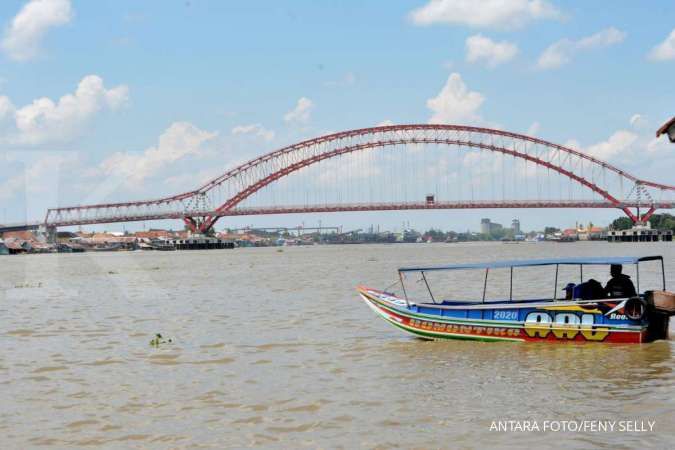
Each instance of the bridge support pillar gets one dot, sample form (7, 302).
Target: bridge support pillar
(200, 225)
(207, 224)
(637, 218)
(645, 218)
(190, 224)
(630, 215)
(48, 233)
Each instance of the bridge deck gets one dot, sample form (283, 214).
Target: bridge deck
(75, 219)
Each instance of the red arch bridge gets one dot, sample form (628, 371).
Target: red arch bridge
(398, 167)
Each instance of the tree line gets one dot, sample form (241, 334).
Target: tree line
(657, 221)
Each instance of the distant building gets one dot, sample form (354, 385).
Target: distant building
(590, 232)
(485, 226)
(515, 226)
(488, 227)
(570, 234)
(155, 234)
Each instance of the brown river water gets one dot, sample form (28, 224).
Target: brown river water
(275, 350)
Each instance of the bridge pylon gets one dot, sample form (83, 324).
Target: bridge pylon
(642, 198)
(200, 224)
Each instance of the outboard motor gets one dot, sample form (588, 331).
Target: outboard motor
(660, 306)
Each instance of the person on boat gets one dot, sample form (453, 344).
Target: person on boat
(620, 285)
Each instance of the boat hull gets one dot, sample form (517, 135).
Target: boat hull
(412, 319)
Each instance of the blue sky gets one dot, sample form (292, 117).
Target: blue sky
(196, 71)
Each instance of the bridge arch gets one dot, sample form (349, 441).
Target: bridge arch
(268, 168)
(220, 196)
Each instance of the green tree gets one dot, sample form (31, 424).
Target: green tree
(622, 223)
(657, 221)
(498, 234)
(662, 222)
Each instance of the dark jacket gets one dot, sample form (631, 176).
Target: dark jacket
(620, 286)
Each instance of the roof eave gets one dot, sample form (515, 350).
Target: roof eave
(664, 127)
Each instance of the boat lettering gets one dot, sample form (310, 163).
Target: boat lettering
(505, 314)
(618, 316)
(564, 325)
(567, 325)
(463, 329)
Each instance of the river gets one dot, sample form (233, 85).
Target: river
(272, 348)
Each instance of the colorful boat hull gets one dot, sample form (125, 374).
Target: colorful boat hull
(517, 322)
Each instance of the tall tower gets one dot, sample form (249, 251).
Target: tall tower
(515, 225)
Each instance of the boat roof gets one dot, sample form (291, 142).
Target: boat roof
(536, 262)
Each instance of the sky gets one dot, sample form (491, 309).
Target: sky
(127, 100)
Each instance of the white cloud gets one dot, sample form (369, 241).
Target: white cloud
(654, 144)
(561, 52)
(23, 36)
(385, 123)
(188, 180)
(638, 122)
(665, 51)
(636, 151)
(556, 55)
(43, 120)
(482, 168)
(533, 129)
(627, 146)
(301, 112)
(352, 166)
(484, 13)
(660, 144)
(603, 38)
(254, 129)
(573, 144)
(180, 140)
(40, 175)
(11, 186)
(6, 107)
(619, 144)
(455, 103)
(483, 49)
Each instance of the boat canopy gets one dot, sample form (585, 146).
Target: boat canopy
(537, 262)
